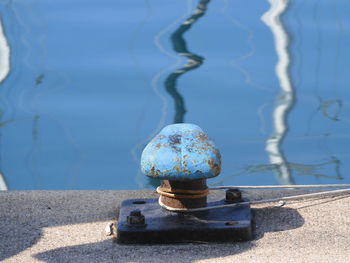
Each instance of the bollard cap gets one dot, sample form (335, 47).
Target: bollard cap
(181, 152)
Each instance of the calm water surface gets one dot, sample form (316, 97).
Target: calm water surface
(86, 84)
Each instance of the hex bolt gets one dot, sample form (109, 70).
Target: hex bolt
(233, 195)
(136, 212)
(135, 218)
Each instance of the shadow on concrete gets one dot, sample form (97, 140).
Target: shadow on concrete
(23, 214)
(108, 251)
(267, 220)
(275, 219)
(320, 202)
(17, 235)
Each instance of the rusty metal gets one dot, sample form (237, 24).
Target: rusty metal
(233, 195)
(183, 157)
(181, 152)
(163, 226)
(135, 218)
(197, 184)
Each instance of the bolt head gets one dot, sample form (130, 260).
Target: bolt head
(233, 195)
(135, 218)
(136, 212)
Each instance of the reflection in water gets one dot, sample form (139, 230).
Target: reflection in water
(3, 185)
(4, 70)
(314, 170)
(305, 170)
(251, 52)
(154, 83)
(31, 156)
(286, 98)
(34, 56)
(249, 41)
(4, 54)
(39, 79)
(31, 159)
(329, 108)
(157, 77)
(193, 60)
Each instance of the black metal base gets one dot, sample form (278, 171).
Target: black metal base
(162, 226)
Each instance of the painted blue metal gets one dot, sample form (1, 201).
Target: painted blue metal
(181, 152)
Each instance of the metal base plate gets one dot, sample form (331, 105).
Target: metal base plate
(163, 226)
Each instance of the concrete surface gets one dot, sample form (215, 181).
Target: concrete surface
(69, 226)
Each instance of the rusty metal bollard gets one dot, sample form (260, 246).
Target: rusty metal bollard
(183, 157)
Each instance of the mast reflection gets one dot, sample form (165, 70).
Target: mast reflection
(286, 98)
(193, 60)
(4, 71)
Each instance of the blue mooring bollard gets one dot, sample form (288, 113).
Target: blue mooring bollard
(182, 156)
(181, 152)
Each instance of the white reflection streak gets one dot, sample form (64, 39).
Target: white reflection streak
(3, 185)
(286, 97)
(4, 70)
(4, 55)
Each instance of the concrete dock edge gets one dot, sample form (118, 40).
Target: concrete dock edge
(69, 226)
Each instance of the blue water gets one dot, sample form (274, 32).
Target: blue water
(91, 82)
